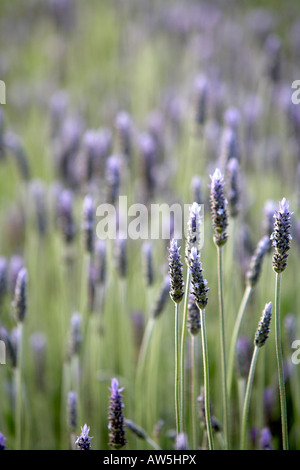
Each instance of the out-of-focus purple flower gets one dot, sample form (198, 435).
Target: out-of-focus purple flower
(20, 302)
(200, 96)
(265, 440)
(233, 177)
(88, 223)
(83, 441)
(196, 189)
(281, 236)
(13, 143)
(72, 410)
(3, 276)
(65, 215)
(147, 148)
(181, 442)
(243, 355)
(147, 251)
(273, 47)
(38, 191)
(75, 335)
(123, 125)
(100, 261)
(2, 441)
(113, 169)
(117, 437)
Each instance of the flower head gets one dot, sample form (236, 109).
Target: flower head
(199, 284)
(263, 330)
(175, 271)
(218, 205)
(117, 438)
(83, 441)
(193, 230)
(281, 236)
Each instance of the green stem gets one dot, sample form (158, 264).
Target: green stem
(177, 401)
(183, 334)
(19, 387)
(141, 363)
(285, 443)
(194, 411)
(247, 397)
(235, 334)
(223, 345)
(206, 380)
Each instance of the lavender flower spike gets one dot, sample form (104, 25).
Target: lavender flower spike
(117, 438)
(176, 274)
(20, 295)
(263, 330)
(199, 284)
(218, 205)
(83, 441)
(281, 236)
(193, 230)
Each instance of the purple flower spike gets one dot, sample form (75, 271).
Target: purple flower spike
(199, 284)
(117, 438)
(281, 236)
(176, 273)
(83, 441)
(218, 205)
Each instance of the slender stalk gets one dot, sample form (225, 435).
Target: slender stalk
(247, 397)
(141, 364)
(183, 335)
(194, 412)
(19, 387)
(177, 357)
(223, 345)
(206, 380)
(235, 334)
(285, 442)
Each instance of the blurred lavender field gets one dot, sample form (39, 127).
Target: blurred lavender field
(144, 99)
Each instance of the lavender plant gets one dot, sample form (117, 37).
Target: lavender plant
(281, 239)
(219, 217)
